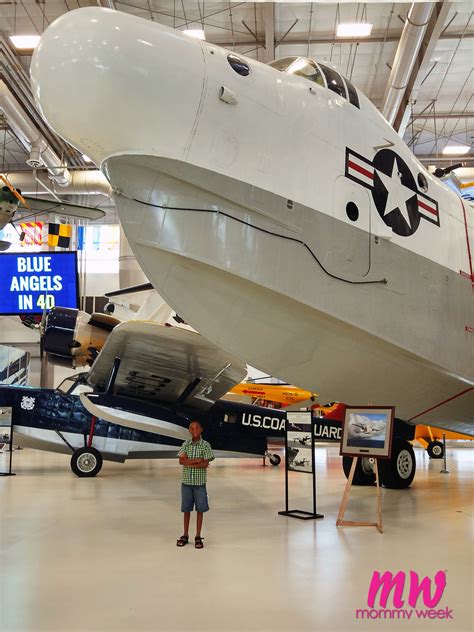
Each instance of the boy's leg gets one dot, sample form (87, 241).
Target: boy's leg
(187, 517)
(199, 517)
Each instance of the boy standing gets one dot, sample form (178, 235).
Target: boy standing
(195, 456)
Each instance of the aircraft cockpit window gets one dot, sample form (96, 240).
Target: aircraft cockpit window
(352, 92)
(334, 81)
(307, 69)
(301, 67)
(240, 66)
(74, 386)
(282, 64)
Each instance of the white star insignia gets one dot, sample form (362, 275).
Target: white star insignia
(398, 193)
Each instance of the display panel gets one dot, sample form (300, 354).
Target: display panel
(299, 442)
(368, 431)
(33, 282)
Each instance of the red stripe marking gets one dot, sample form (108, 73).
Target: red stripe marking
(91, 432)
(427, 208)
(360, 169)
(467, 240)
(442, 403)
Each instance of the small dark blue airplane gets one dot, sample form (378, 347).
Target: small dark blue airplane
(136, 401)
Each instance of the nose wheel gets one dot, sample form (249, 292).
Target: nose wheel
(86, 462)
(274, 459)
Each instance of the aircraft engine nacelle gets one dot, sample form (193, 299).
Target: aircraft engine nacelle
(74, 338)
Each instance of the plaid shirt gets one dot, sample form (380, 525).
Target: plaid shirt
(196, 450)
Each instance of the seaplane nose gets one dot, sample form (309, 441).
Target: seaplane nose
(111, 83)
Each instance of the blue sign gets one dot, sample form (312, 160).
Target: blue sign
(33, 282)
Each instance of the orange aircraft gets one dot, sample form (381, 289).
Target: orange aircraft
(271, 394)
(282, 395)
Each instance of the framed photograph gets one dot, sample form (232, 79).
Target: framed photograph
(299, 442)
(367, 431)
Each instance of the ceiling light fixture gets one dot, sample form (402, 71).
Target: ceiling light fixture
(196, 33)
(355, 29)
(456, 150)
(24, 42)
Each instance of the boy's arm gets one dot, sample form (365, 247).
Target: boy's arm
(208, 457)
(183, 460)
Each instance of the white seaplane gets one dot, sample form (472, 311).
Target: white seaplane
(275, 210)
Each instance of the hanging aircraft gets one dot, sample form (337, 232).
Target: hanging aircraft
(13, 206)
(274, 208)
(276, 395)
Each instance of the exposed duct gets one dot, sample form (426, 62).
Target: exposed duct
(82, 182)
(41, 153)
(405, 57)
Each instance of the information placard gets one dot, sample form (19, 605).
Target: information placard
(299, 442)
(33, 282)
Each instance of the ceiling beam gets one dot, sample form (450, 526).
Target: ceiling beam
(269, 22)
(422, 64)
(433, 159)
(442, 116)
(318, 38)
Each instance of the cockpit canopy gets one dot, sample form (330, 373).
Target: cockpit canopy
(320, 74)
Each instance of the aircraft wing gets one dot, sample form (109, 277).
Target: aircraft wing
(164, 365)
(37, 206)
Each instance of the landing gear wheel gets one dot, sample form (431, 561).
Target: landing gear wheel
(86, 462)
(274, 459)
(399, 471)
(364, 473)
(435, 449)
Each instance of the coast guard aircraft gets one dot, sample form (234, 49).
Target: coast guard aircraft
(274, 208)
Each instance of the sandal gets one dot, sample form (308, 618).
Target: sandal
(183, 540)
(198, 542)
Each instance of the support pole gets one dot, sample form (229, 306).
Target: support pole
(445, 467)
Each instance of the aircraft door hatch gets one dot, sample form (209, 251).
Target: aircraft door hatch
(350, 234)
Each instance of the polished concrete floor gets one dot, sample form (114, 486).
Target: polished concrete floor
(99, 554)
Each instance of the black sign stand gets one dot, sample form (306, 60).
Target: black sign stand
(10, 473)
(300, 513)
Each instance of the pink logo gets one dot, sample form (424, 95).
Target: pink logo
(405, 593)
(388, 583)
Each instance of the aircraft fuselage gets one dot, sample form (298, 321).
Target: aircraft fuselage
(287, 224)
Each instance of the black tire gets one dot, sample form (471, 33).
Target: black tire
(86, 462)
(274, 459)
(399, 471)
(364, 473)
(435, 449)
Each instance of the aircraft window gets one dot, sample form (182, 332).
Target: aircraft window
(307, 69)
(283, 63)
(334, 81)
(353, 96)
(422, 182)
(240, 66)
(230, 418)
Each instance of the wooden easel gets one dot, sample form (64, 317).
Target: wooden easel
(340, 522)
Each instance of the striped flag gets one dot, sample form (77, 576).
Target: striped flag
(32, 233)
